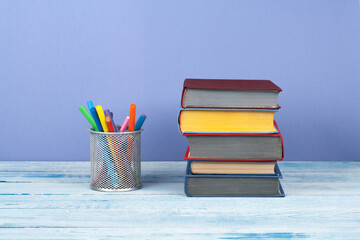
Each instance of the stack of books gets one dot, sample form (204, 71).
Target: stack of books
(234, 142)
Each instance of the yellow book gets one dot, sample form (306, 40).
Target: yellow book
(226, 121)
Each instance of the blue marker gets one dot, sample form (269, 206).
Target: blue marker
(96, 119)
(90, 105)
(140, 122)
(95, 116)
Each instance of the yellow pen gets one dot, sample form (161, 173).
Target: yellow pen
(101, 115)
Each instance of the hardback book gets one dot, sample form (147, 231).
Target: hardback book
(242, 185)
(235, 147)
(232, 167)
(194, 120)
(226, 93)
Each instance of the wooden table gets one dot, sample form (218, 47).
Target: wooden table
(53, 200)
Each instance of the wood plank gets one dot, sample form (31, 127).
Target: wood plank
(155, 176)
(166, 188)
(174, 171)
(118, 201)
(55, 177)
(171, 233)
(204, 217)
(16, 166)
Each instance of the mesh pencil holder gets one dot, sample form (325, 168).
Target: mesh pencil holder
(115, 160)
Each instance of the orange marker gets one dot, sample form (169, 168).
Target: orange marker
(132, 117)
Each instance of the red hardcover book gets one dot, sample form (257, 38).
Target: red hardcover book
(229, 93)
(235, 147)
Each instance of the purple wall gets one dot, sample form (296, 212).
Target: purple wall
(56, 55)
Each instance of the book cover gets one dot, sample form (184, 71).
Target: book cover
(239, 84)
(240, 185)
(193, 120)
(225, 93)
(232, 167)
(235, 147)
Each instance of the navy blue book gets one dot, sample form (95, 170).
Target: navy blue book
(233, 185)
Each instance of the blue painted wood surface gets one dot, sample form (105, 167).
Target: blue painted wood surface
(52, 200)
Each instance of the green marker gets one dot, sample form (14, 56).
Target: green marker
(88, 117)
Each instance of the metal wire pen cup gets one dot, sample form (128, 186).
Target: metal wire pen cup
(115, 159)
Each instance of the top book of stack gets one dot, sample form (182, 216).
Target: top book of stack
(219, 93)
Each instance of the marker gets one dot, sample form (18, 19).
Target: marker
(94, 115)
(140, 122)
(110, 114)
(96, 119)
(108, 123)
(101, 115)
(90, 105)
(88, 117)
(125, 124)
(132, 117)
(110, 140)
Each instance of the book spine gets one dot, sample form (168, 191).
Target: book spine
(182, 98)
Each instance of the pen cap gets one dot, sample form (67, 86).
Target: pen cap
(90, 105)
(140, 122)
(125, 125)
(88, 117)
